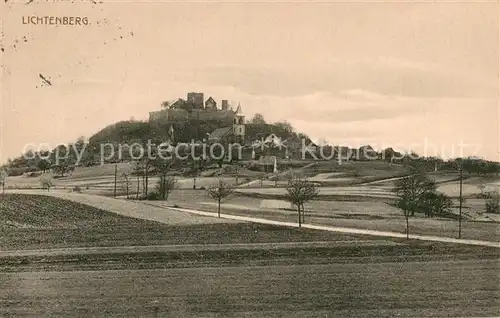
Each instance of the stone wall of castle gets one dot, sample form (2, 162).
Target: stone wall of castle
(177, 115)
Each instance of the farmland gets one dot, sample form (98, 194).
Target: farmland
(371, 215)
(405, 279)
(353, 194)
(194, 266)
(35, 221)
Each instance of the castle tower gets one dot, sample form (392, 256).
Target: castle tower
(239, 125)
(196, 100)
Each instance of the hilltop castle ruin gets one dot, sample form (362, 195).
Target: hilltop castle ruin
(194, 107)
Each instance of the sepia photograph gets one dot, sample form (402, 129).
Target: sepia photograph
(213, 158)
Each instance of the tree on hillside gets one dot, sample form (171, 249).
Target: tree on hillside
(300, 191)
(90, 155)
(219, 191)
(78, 146)
(63, 168)
(477, 166)
(410, 192)
(44, 165)
(387, 155)
(285, 126)
(302, 136)
(258, 119)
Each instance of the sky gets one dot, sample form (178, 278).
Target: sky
(408, 75)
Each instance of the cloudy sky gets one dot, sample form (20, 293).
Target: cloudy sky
(389, 74)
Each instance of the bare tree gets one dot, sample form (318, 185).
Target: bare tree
(138, 170)
(195, 172)
(219, 191)
(276, 176)
(261, 177)
(300, 191)
(411, 190)
(163, 166)
(165, 186)
(237, 171)
(493, 203)
(481, 188)
(126, 184)
(46, 182)
(142, 167)
(197, 167)
(147, 163)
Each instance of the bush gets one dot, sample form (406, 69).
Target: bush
(14, 172)
(153, 196)
(489, 195)
(253, 166)
(493, 204)
(33, 174)
(32, 169)
(46, 183)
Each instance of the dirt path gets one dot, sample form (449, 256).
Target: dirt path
(170, 215)
(347, 230)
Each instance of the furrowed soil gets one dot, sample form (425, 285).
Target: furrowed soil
(413, 280)
(36, 222)
(162, 274)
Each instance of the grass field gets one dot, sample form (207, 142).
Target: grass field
(37, 221)
(363, 214)
(351, 276)
(414, 279)
(407, 289)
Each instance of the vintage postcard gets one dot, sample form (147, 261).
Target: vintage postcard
(174, 158)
